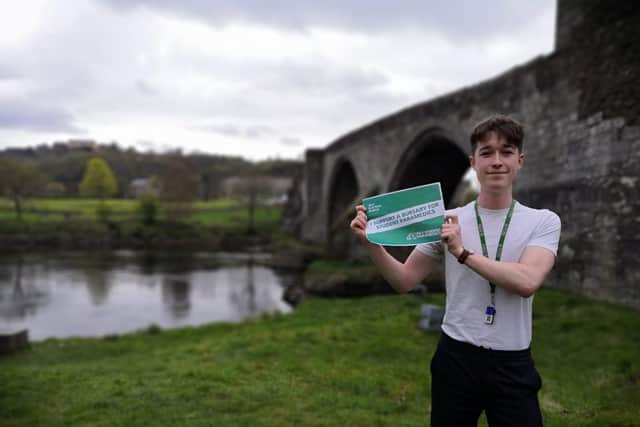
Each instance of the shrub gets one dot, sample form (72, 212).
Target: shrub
(103, 211)
(147, 209)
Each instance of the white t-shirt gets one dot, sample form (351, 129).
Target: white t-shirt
(468, 293)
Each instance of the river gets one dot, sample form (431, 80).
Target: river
(66, 294)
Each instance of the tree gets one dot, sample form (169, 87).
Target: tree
(253, 187)
(147, 208)
(213, 171)
(98, 179)
(18, 180)
(67, 168)
(178, 187)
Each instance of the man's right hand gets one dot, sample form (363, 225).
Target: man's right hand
(402, 277)
(359, 223)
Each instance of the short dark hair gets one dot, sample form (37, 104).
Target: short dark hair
(504, 126)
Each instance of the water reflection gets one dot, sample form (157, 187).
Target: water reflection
(17, 299)
(96, 294)
(98, 285)
(175, 295)
(244, 298)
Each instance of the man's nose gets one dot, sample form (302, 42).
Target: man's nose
(496, 160)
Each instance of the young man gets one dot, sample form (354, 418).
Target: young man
(497, 254)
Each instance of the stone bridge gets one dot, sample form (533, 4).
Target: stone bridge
(581, 108)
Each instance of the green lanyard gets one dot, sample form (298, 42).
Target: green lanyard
(483, 241)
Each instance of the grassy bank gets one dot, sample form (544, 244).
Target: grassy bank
(349, 362)
(75, 223)
(221, 213)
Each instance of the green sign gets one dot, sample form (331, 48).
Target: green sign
(405, 217)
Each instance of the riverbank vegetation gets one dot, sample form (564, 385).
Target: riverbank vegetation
(226, 212)
(82, 193)
(339, 278)
(341, 362)
(141, 223)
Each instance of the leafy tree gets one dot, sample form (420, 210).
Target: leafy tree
(147, 208)
(67, 168)
(18, 180)
(98, 179)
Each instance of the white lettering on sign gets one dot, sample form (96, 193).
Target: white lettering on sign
(404, 217)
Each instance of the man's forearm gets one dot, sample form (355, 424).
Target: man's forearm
(518, 277)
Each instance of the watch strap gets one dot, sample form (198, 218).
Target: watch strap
(463, 256)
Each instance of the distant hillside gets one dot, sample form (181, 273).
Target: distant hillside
(65, 162)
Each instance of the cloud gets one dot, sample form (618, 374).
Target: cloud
(38, 118)
(257, 132)
(266, 78)
(225, 129)
(291, 141)
(231, 130)
(6, 72)
(320, 78)
(145, 88)
(454, 19)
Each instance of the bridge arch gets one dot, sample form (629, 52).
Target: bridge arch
(343, 191)
(433, 156)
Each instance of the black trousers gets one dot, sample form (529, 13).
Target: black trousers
(466, 380)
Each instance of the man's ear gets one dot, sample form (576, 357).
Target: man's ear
(521, 159)
(472, 162)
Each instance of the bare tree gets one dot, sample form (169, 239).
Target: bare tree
(178, 187)
(19, 180)
(252, 187)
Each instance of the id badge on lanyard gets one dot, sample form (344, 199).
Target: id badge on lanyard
(490, 311)
(489, 314)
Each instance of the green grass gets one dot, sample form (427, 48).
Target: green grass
(347, 362)
(238, 217)
(327, 266)
(118, 205)
(223, 214)
(74, 206)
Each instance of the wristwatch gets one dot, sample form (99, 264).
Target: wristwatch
(463, 256)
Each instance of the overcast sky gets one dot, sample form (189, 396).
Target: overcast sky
(260, 79)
